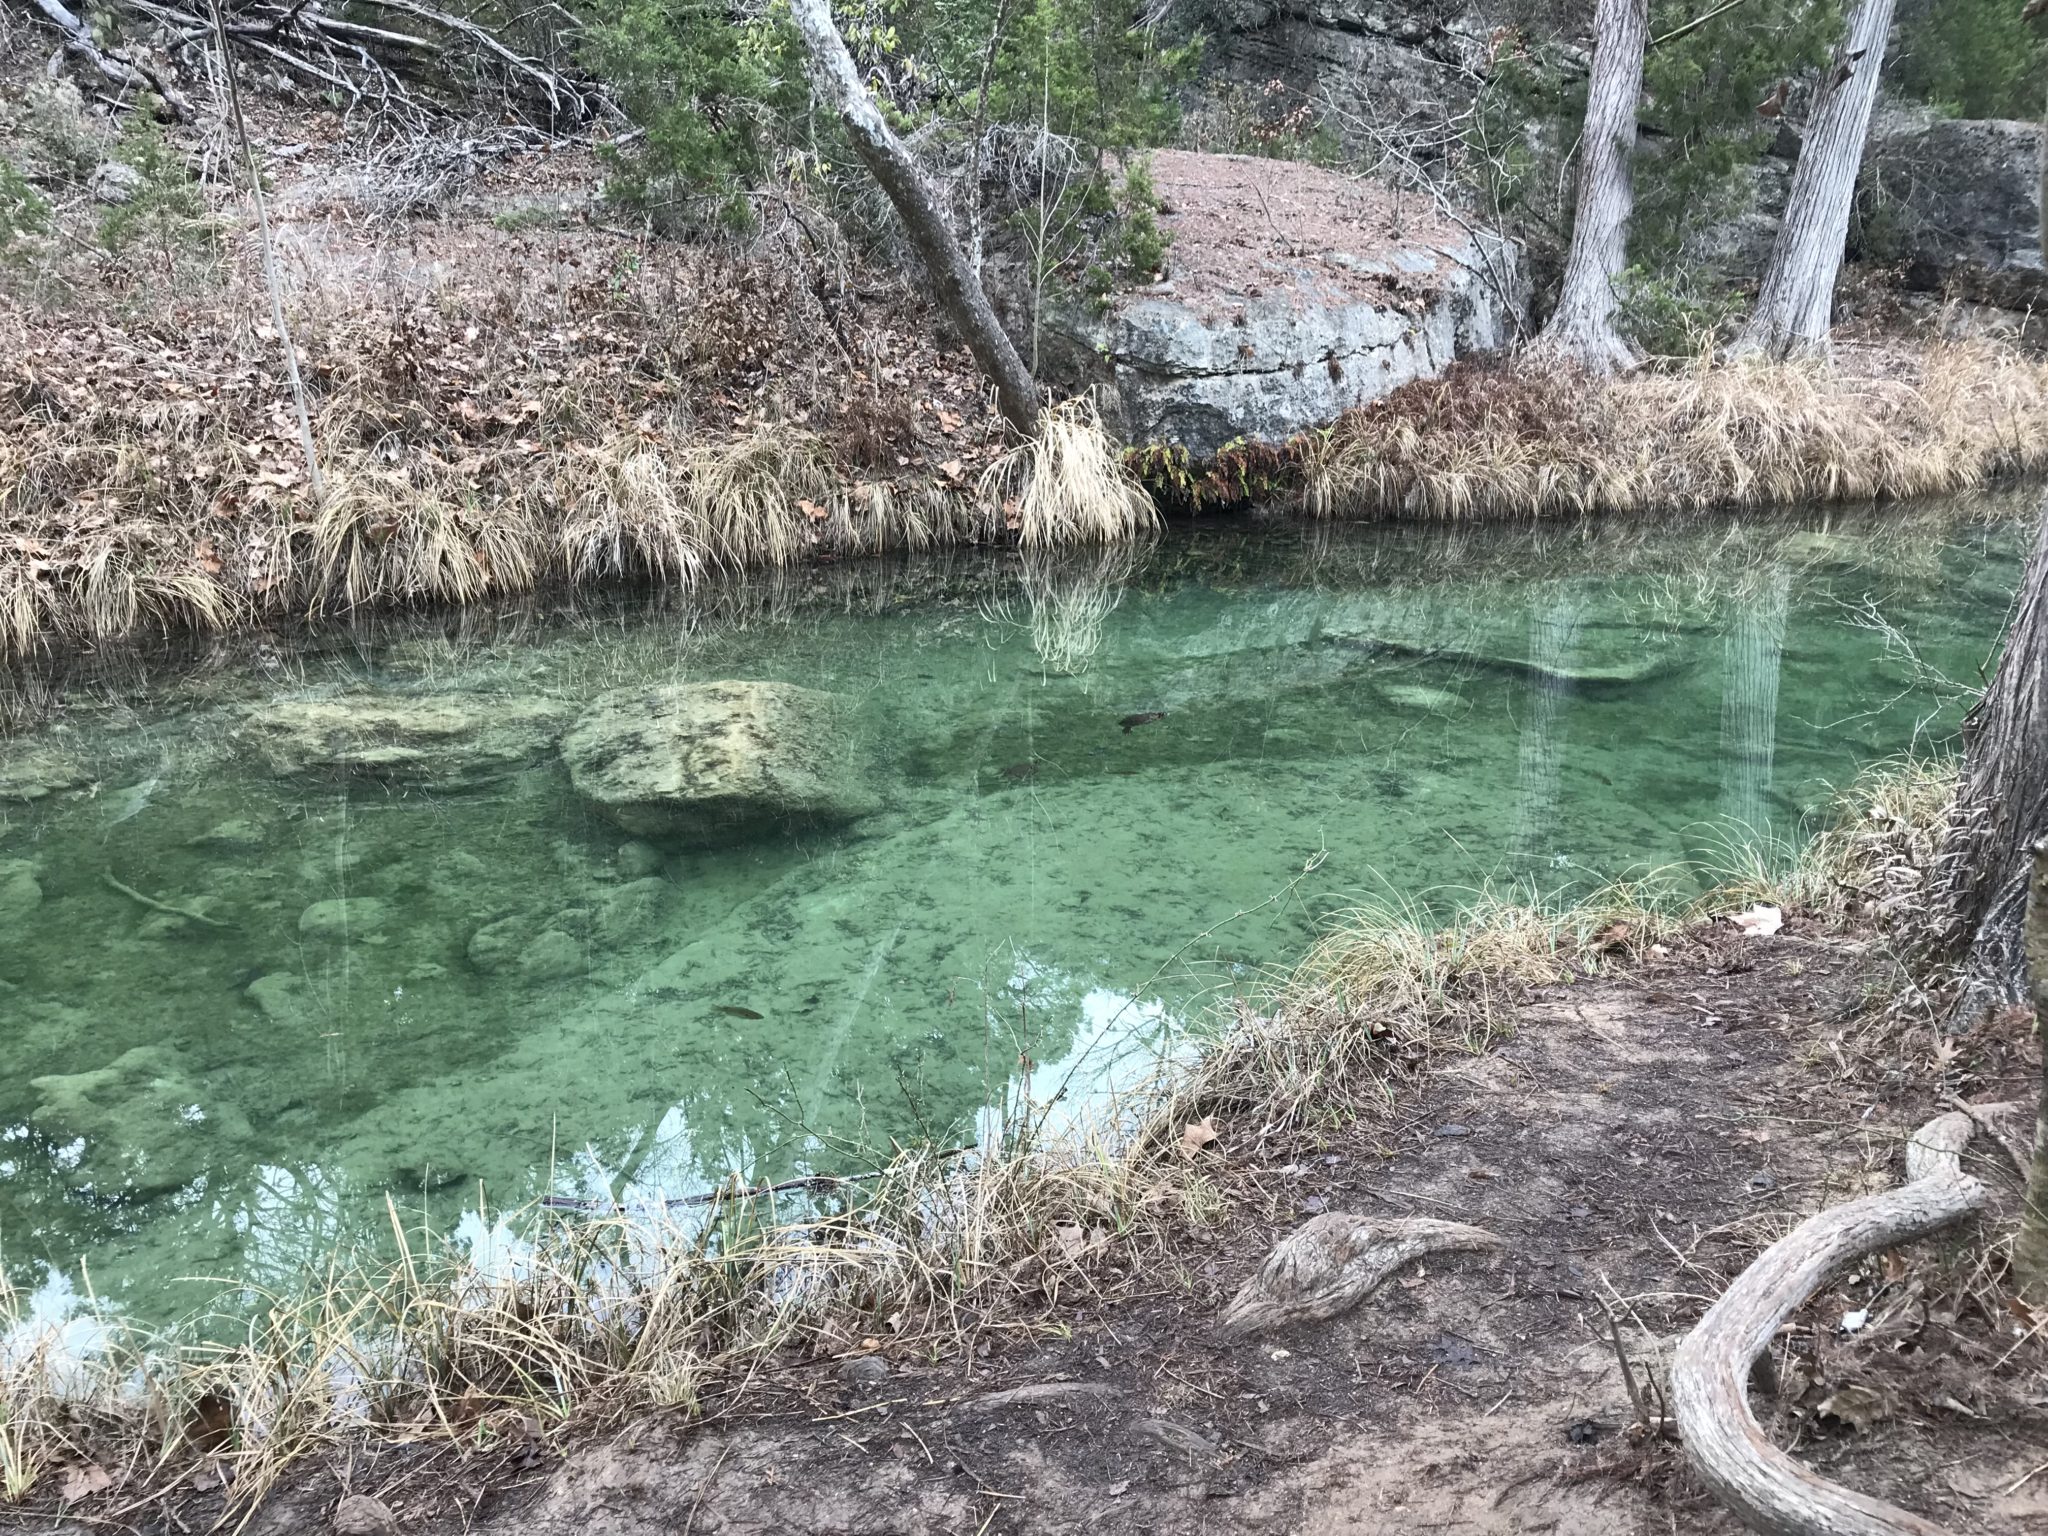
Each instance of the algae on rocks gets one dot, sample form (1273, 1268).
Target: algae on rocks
(710, 764)
(441, 740)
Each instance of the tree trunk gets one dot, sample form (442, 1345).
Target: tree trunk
(955, 284)
(1796, 305)
(2030, 1250)
(1581, 329)
(1980, 875)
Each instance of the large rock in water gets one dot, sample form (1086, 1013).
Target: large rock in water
(438, 741)
(716, 763)
(1291, 295)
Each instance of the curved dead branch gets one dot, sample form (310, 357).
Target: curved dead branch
(1765, 1487)
(1330, 1264)
(79, 43)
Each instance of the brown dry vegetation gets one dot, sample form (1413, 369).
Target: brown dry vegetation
(1890, 419)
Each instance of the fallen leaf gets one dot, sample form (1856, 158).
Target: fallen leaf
(1196, 1135)
(1760, 921)
(83, 1481)
(1858, 1407)
(1613, 936)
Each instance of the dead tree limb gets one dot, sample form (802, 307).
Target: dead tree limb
(1767, 1490)
(78, 42)
(1329, 1264)
(955, 283)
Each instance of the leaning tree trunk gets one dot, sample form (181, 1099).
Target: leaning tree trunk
(2030, 1250)
(1796, 304)
(1979, 896)
(1581, 329)
(956, 285)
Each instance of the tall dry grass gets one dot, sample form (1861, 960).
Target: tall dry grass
(1882, 422)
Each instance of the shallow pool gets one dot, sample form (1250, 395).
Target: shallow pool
(245, 998)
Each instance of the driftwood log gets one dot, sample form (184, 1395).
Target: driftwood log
(1330, 1264)
(1765, 1487)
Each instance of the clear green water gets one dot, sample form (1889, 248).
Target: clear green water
(1408, 712)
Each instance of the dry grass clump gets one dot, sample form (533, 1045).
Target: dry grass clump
(1869, 862)
(578, 1320)
(1070, 484)
(1392, 983)
(1895, 421)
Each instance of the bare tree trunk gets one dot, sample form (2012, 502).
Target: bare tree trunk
(955, 283)
(1980, 876)
(2030, 1250)
(1581, 329)
(1796, 305)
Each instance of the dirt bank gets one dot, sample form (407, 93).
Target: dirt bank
(1635, 1140)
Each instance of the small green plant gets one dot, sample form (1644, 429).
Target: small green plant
(163, 213)
(24, 212)
(1668, 315)
(1137, 245)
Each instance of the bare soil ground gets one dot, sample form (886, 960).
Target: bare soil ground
(1636, 1140)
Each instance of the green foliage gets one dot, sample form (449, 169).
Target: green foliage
(24, 213)
(1667, 314)
(1700, 98)
(1136, 244)
(709, 88)
(65, 143)
(164, 212)
(1078, 66)
(1970, 58)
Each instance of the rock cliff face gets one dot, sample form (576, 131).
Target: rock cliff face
(1957, 200)
(1292, 294)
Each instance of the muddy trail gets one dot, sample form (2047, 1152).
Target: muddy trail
(1635, 1141)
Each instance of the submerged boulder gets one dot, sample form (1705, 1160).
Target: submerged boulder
(139, 1125)
(717, 763)
(37, 770)
(20, 893)
(445, 741)
(1291, 295)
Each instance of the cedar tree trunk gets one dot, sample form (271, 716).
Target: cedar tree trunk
(1796, 305)
(955, 283)
(1581, 329)
(1981, 873)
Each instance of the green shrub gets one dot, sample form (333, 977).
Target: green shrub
(24, 212)
(163, 214)
(1970, 58)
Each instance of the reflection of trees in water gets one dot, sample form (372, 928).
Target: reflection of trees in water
(1752, 655)
(1555, 619)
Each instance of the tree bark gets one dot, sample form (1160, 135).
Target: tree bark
(1979, 894)
(2030, 1249)
(1796, 305)
(956, 285)
(130, 77)
(1581, 328)
(1767, 1489)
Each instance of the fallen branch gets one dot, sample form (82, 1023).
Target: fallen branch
(164, 906)
(78, 40)
(1767, 1490)
(1330, 1264)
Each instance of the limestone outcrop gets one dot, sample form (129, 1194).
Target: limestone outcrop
(1291, 295)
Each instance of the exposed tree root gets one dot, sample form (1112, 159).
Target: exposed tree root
(1332, 1263)
(1764, 1486)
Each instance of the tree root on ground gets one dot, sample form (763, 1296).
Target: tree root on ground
(1762, 1485)
(1330, 1264)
